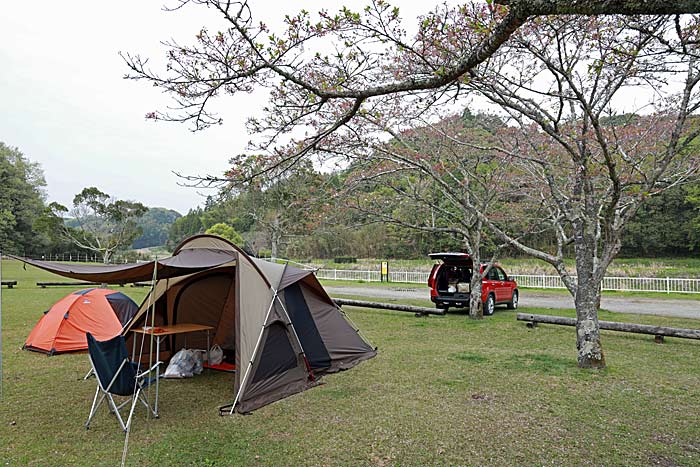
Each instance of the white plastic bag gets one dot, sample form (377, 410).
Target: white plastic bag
(198, 361)
(182, 365)
(216, 355)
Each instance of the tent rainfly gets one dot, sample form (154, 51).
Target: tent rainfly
(282, 328)
(101, 312)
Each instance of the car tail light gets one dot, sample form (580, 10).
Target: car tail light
(432, 276)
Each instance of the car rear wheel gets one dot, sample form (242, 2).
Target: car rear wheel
(513, 304)
(489, 305)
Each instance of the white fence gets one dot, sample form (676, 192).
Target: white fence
(540, 281)
(624, 284)
(349, 275)
(78, 258)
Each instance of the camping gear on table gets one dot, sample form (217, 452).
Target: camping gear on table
(284, 330)
(101, 312)
(116, 376)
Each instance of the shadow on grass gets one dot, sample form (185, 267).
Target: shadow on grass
(541, 363)
(468, 357)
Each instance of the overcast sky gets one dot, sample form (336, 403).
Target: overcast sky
(66, 105)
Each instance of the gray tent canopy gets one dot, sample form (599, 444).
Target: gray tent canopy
(177, 265)
(283, 329)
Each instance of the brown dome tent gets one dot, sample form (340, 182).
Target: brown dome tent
(283, 329)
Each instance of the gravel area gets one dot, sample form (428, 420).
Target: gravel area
(642, 305)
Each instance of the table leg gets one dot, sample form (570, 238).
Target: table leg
(208, 361)
(157, 374)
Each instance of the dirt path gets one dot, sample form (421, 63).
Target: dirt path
(641, 305)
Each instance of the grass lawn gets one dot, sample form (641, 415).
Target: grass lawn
(442, 391)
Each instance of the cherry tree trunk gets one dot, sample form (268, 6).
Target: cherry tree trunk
(590, 350)
(274, 244)
(587, 296)
(587, 302)
(476, 308)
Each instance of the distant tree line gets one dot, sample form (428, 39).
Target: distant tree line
(96, 225)
(298, 216)
(155, 225)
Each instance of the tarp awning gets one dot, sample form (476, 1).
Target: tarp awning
(185, 262)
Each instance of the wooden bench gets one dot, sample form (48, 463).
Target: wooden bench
(9, 284)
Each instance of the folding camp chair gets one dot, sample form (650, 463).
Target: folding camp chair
(116, 375)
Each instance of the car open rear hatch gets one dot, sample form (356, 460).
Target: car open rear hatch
(453, 258)
(450, 281)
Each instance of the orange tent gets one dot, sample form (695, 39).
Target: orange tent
(101, 312)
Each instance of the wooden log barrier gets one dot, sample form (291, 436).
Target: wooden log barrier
(659, 332)
(418, 310)
(43, 285)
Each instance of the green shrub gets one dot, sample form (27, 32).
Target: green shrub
(345, 259)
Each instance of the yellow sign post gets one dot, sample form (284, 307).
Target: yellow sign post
(384, 273)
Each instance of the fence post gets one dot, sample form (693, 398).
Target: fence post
(668, 284)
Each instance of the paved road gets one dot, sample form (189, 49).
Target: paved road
(641, 305)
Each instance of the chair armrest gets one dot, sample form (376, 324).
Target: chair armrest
(144, 373)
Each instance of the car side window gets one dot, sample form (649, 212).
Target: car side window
(501, 274)
(492, 275)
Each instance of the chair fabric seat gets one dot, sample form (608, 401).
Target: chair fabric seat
(116, 375)
(107, 357)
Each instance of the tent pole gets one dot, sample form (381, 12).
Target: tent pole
(303, 352)
(289, 318)
(153, 320)
(252, 357)
(150, 360)
(257, 344)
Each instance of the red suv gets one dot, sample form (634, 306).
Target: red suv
(449, 283)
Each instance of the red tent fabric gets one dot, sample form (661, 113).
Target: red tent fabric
(63, 327)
